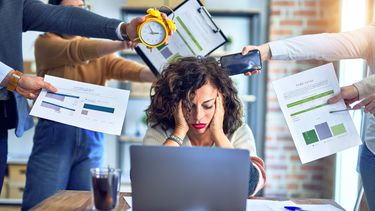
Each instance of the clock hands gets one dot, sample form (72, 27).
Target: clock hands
(152, 31)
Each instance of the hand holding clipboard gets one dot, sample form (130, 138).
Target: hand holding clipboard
(196, 35)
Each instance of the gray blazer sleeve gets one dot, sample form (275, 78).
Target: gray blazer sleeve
(38, 16)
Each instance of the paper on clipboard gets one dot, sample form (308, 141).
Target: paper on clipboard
(196, 35)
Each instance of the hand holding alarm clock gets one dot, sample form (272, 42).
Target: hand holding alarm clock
(155, 29)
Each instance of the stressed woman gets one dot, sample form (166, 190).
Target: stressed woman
(194, 103)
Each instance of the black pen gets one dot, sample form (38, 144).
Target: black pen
(346, 109)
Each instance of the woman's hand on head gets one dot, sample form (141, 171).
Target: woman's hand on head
(216, 125)
(182, 126)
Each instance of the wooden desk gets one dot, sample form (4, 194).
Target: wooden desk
(81, 200)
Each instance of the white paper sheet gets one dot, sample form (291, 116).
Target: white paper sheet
(303, 100)
(129, 200)
(270, 205)
(318, 207)
(83, 105)
(267, 205)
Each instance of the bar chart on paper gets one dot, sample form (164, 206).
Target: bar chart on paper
(83, 105)
(315, 131)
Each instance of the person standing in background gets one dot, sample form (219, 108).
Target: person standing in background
(62, 154)
(17, 16)
(359, 43)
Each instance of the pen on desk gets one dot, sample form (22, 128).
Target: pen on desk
(293, 208)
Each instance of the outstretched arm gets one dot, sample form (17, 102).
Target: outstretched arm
(75, 21)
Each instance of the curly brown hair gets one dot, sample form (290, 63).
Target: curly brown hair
(179, 81)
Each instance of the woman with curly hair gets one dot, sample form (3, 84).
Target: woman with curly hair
(194, 103)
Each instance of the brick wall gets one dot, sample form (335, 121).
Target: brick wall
(287, 177)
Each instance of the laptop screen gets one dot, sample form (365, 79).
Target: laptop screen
(189, 178)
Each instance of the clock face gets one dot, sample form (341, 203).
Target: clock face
(152, 33)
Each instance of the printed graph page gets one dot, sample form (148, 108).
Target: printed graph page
(194, 36)
(303, 100)
(83, 105)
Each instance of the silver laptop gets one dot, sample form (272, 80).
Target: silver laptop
(189, 178)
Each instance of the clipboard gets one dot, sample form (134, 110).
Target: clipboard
(196, 35)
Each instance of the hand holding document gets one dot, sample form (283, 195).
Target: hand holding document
(83, 105)
(316, 131)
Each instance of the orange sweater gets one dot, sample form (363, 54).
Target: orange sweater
(76, 58)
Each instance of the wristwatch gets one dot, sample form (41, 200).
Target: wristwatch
(13, 80)
(176, 139)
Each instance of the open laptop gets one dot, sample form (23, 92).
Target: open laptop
(189, 178)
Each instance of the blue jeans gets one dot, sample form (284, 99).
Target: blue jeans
(3, 154)
(61, 159)
(367, 171)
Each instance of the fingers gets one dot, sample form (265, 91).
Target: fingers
(41, 84)
(253, 72)
(138, 20)
(370, 107)
(49, 87)
(248, 48)
(368, 103)
(178, 115)
(334, 99)
(219, 102)
(348, 93)
(26, 93)
(164, 15)
(179, 109)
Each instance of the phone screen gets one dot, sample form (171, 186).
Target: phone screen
(238, 63)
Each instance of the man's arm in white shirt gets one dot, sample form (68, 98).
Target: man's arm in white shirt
(325, 46)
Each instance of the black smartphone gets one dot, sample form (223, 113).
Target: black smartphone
(238, 63)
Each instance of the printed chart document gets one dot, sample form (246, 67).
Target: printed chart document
(196, 34)
(303, 101)
(83, 105)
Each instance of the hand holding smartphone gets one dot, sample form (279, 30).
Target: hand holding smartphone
(238, 63)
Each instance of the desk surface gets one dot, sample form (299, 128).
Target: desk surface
(81, 200)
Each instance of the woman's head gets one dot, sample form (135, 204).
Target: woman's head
(196, 82)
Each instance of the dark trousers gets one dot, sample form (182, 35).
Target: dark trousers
(3, 155)
(8, 120)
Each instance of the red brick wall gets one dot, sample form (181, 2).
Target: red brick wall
(287, 177)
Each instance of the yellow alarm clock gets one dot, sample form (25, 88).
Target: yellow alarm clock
(155, 29)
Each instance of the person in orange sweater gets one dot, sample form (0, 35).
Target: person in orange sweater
(62, 155)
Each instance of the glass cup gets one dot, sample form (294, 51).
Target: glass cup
(105, 187)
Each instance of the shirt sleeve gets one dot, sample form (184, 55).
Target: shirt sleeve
(243, 138)
(53, 51)
(118, 31)
(67, 20)
(326, 46)
(366, 86)
(4, 70)
(123, 69)
(154, 136)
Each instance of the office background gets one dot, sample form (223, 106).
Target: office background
(273, 20)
